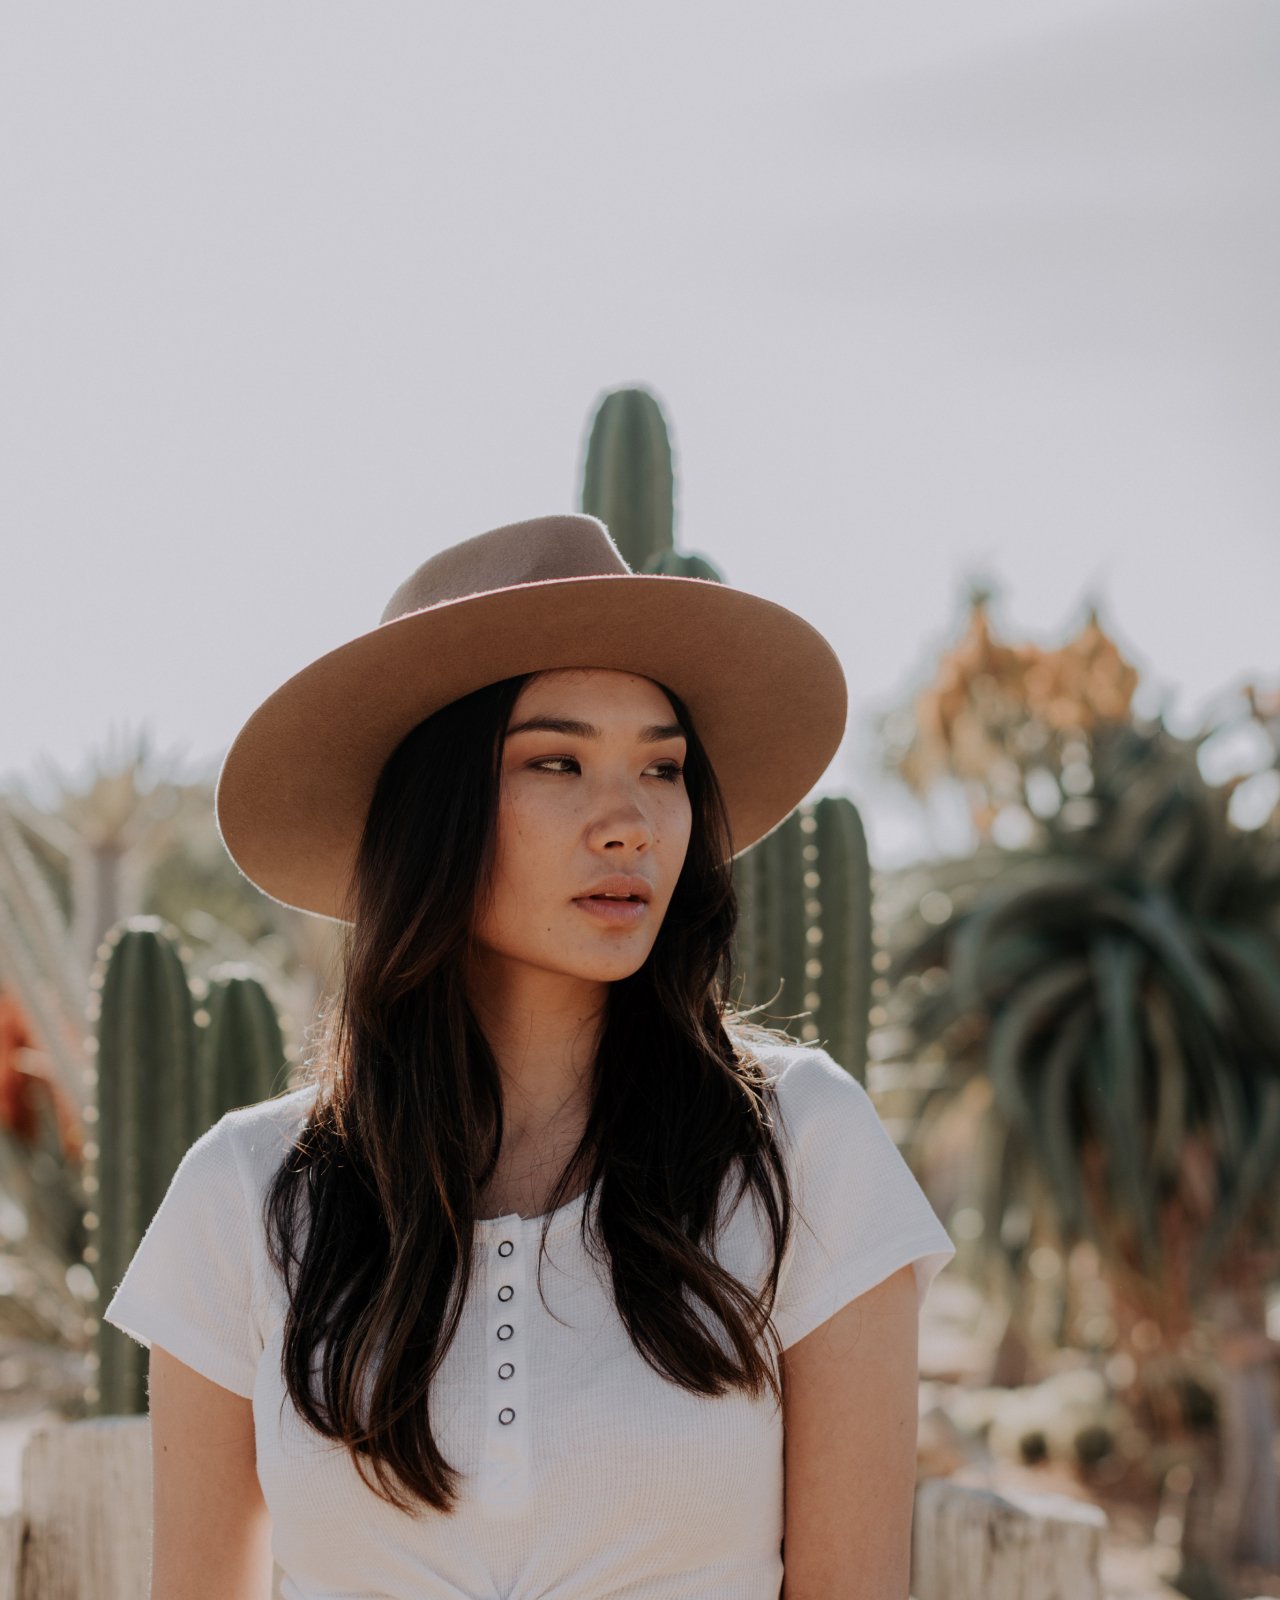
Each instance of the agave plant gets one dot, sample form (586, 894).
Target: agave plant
(1127, 987)
(1121, 991)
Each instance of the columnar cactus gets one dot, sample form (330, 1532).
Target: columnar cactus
(242, 1051)
(627, 478)
(804, 930)
(147, 1095)
(166, 1072)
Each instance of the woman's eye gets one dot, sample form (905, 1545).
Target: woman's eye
(669, 773)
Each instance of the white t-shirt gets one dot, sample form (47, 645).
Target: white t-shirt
(590, 1476)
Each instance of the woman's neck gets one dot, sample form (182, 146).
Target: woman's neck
(544, 1037)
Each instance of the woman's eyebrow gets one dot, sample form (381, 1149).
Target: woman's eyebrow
(652, 733)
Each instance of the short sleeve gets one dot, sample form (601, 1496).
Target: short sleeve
(190, 1285)
(860, 1213)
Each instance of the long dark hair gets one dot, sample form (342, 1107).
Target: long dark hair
(370, 1216)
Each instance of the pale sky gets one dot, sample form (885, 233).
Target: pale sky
(293, 296)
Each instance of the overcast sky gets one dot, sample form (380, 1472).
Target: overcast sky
(293, 296)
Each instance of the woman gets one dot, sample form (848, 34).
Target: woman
(522, 794)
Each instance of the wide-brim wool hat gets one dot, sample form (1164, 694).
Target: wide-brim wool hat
(764, 689)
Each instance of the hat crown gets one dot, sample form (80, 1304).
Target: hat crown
(538, 550)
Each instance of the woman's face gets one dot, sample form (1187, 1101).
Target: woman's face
(579, 804)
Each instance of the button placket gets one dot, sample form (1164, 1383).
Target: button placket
(507, 1364)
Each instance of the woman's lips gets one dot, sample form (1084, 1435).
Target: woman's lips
(615, 911)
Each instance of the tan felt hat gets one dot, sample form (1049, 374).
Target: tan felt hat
(764, 688)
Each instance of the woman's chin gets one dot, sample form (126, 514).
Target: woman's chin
(607, 966)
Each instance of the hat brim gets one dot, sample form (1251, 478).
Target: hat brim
(764, 688)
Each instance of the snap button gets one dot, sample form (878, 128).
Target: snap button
(505, 1292)
(505, 1370)
(506, 1415)
(505, 1331)
(505, 1248)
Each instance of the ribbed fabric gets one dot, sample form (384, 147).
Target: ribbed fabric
(589, 1476)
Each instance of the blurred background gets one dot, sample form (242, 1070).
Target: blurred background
(953, 328)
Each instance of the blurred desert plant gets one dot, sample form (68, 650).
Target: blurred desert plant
(42, 1293)
(1122, 993)
(138, 837)
(134, 838)
(1115, 980)
(1005, 722)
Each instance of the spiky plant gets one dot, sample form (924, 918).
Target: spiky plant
(1122, 992)
(172, 1057)
(627, 476)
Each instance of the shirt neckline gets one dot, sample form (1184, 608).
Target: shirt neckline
(559, 1217)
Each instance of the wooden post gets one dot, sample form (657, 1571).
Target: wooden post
(86, 1500)
(84, 1529)
(11, 1526)
(969, 1543)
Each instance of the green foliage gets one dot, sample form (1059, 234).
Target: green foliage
(166, 1073)
(242, 1050)
(627, 479)
(1121, 990)
(804, 931)
(146, 1119)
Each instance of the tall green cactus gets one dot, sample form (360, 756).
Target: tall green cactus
(843, 893)
(804, 929)
(166, 1072)
(147, 1093)
(627, 477)
(243, 1057)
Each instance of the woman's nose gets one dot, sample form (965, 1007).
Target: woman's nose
(624, 822)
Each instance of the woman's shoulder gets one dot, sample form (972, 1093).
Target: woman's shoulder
(806, 1083)
(260, 1133)
(801, 1068)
